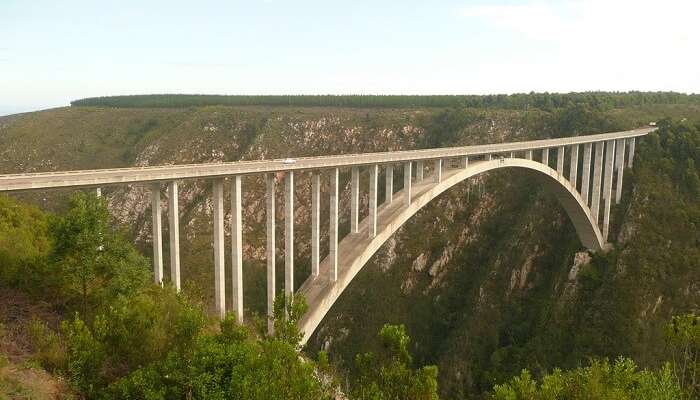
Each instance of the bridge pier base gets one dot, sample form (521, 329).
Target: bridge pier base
(545, 156)
(174, 228)
(620, 167)
(437, 174)
(560, 160)
(333, 226)
(289, 234)
(315, 221)
(419, 171)
(630, 162)
(270, 249)
(237, 247)
(373, 175)
(597, 173)
(219, 262)
(573, 165)
(407, 181)
(389, 188)
(609, 159)
(354, 199)
(586, 173)
(157, 234)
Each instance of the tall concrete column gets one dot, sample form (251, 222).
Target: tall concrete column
(464, 162)
(620, 167)
(545, 156)
(630, 161)
(528, 155)
(373, 175)
(488, 157)
(573, 165)
(512, 155)
(289, 234)
(597, 173)
(389, 188)
(219, 262)
(157, 234)
(98, 192)
(237, 247)
(333, 228)
(315, 221)
(354, 199)
(586, 173)
(560, 160)
(407, 181)
(174, 228)
(437, 175)
(419, 171)
(270, 249)
(608, 149)
(607, 185)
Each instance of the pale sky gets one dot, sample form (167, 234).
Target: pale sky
(52, 52)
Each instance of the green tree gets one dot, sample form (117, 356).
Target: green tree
(683, 334)
(389, 375)
(93, 261)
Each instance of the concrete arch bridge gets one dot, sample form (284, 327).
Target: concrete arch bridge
(584, 188)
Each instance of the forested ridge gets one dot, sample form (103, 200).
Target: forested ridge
(544, 101)
(506, 317)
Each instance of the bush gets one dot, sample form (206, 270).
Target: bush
(48, 349)
(600, 380)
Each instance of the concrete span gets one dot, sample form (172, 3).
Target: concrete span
(357, 248)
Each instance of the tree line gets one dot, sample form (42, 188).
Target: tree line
(544, 101)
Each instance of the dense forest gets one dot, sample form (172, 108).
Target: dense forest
(92, 317)
(543, 101)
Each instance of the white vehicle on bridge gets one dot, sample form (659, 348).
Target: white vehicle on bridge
(289, 161)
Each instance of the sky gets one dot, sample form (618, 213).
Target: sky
(52, 52)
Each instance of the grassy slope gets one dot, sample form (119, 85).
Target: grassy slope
(469, 313)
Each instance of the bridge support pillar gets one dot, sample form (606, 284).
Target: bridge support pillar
(597, 173)
(98, 192)
(610, 149)
(219, 262)
(560, 160)
(389, 189)
(407, 181)
(573, 165)
(174, 228)
(512, 155)
(545, 156)
(528, 155)
(630, 161)
(609, 159)
(157, 234)
(488, 157)
(620, 167)
(315, 221)
(586, 173)
(237, 247)
(289, 234)
(354, 199)
(270, 249)
(373, 175)
(419, 171)
(333, 228)
(437, 175)
(464, 162)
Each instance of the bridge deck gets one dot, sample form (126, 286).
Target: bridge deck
(102, 177)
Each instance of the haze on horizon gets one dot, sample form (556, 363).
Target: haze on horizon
(53, 53)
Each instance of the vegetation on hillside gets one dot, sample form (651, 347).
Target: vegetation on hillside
(123, 337)
(544, 101)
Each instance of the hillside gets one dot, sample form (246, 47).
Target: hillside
(496, 281)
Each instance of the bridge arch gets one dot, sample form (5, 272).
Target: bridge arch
(356, 249)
